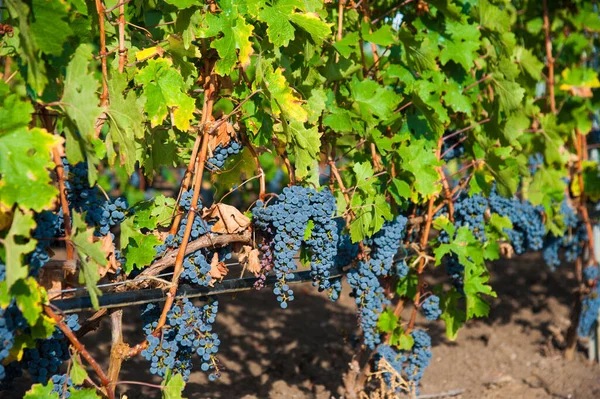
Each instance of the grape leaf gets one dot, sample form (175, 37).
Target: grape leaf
(29, 297)
(14, 113)
(387, 321)
(173, 387)
(463, 46)
(154, 213)
(383, 36)
(452, 314)
(125, 120)
(36, 69)
(306, 144)
(80, 99)
(279, 16)
(89, 393)
(373, 99)
(50, 28)
(39, 391)
(137, 247)
(371, 212)
(78, 373)
(420, 160)
(236, 36)
(90, 255)
(17, 243)
(281, 95)
(164, 88)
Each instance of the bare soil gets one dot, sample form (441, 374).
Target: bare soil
(302, 352)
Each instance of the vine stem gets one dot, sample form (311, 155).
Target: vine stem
(581, 154)
(445, 184)
(100, 9)
(209, 90)
(60, 175)
(117, 347)
(80, 348)
(549, 59)
(340, 26)
(122, 50)
(464, 129)
(181, 252)
(262, 183)
(486, 77)
(425, 237)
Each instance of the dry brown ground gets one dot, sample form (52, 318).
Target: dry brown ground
(302, 352)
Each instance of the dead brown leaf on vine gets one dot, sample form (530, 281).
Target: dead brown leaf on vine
(218, 269)
(249, 258)
(108, 247)
(222, 136)
(229, 219)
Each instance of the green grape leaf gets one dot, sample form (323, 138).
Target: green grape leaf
(91, 256)
(30, 297)
(491, 16)
(348, 45)
(510, 94)
(36, 69)
(372, 99)
(453, 316)
(404, 341)
(236, 33)
(24, 166)
(88, 393)
(279, 16)
(17, 243)
(529, 62)
(340, 120)
(14, 113)
(463, 46)
(387, 321)
(364, 172)
(420, 160)
(371, 212)
(407, 287)
(138, 247)
(455, 99)
(50, 27)
(164, 89)
(173, 387)
(39, 391)
(154, 213)
(308, 230)
(125, 120)
(383, 36)
(181, 4)
(78, 373)
(80, 99)
(306, 147)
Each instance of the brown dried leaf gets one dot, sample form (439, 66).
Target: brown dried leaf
(108, 248)
(230, 220)
(225, 132)
(249, 258)
(581, 91)
(52, 280)
(218, 269)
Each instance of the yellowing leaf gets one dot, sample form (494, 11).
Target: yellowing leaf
(149, 53)
(281, 95)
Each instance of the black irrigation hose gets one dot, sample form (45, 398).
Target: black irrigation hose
(140, 297)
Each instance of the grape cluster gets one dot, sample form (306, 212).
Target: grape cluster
(535, 161)
(402, 269)
(196, 269)
(188, 330)
(101, 213)
(335, 289)
(590, 272)
(470, 211)
(185, 202)
(299, 216)
(266, 261)
(431, 308)
(455, 270)
(11, 321)
(45, 359)
(589, 312)
(62, 384)
(571, 241)
(48, 225)
(385, 245)
(370, 300)
(410, 364)
(221, 153)
(528, 224)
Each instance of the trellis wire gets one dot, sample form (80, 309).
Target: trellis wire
(144, 296)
